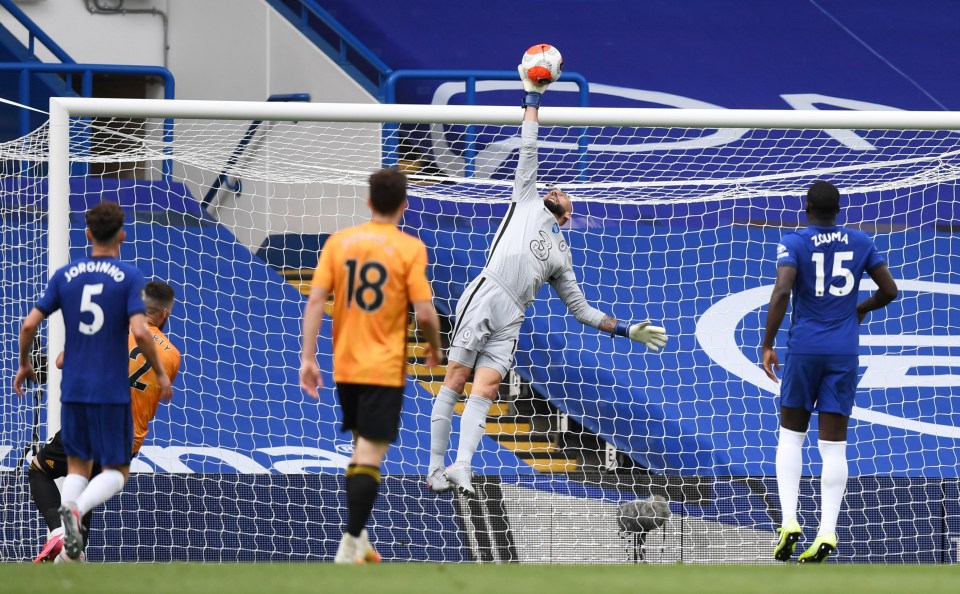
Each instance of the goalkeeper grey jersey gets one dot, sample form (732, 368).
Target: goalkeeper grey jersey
(529, 248)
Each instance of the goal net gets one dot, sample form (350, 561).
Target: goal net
(596, 450)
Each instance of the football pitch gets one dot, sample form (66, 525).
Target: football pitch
(279, 578)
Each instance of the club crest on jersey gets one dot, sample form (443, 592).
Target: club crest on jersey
(823, 238)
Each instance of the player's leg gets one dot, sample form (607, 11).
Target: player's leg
(74, 485)
(110, 430)
(49, 464)
(441, 418)
(373, 414)
(363, 485)
(834, 407)
(75, 436)
(796, 402)
(469, 334)
(503, 318)
(114, 428)
(473, 423)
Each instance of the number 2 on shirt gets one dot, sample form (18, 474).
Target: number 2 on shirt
(838, 270)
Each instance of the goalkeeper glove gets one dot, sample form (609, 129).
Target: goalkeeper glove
(654, 337)
(533, 90)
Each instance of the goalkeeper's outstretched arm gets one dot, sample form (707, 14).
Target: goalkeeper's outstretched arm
(566, 286)
(525, 179)
(525, 182)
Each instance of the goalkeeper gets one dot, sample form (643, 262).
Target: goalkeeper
(527, 251)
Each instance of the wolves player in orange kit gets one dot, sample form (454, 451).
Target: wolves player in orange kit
(376, 272)
(145, 395)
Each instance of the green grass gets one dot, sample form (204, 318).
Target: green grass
(324, 578)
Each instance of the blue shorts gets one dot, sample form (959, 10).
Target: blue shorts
(820, 383)
(99, 432)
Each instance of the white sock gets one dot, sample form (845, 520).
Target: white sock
(73, 486)
(473, 426)
(101, 488)
(789, 469)
(440, 421)
(833, 484)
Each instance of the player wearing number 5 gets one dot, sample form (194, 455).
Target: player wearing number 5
(100, 298)
(375, 272)
(822, 265)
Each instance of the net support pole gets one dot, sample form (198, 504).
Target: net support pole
(58, 243)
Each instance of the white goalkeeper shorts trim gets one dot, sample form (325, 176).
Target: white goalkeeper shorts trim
(486, 329)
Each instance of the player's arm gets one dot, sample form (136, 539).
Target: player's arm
(786, 275)
(886, 292)
(525, 182)
(429, 323)
(567, 288)
(421, 296)
(310, 379)
(144, 337)
(28, 332)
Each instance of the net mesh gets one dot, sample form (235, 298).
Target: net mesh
(675, 225)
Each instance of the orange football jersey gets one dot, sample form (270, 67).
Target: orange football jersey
(375, 271)
(144, 391)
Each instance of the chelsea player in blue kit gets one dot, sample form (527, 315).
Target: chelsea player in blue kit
(100, 298)
(822, 266)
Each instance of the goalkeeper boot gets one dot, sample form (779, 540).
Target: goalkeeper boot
(349, 553)
(460, 475)
(51, 548)
(820, 549)
(370, 554)
(789, 535)
(72, 537)
(437, 481)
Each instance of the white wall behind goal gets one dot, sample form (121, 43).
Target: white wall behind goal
(226, 50)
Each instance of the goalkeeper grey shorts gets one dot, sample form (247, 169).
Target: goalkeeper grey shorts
(486, 327)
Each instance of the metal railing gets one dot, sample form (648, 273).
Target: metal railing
(337, 42)
(86, 72)
(35, 33)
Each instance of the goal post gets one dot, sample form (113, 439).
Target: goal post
(677, 214)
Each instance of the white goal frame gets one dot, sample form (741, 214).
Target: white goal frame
(63, 108)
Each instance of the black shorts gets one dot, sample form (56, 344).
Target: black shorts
(372, 411)
(52, 459)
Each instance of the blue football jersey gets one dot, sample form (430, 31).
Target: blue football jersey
(830, 262)
(97, 297)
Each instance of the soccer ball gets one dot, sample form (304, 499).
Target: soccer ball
(542, 63)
